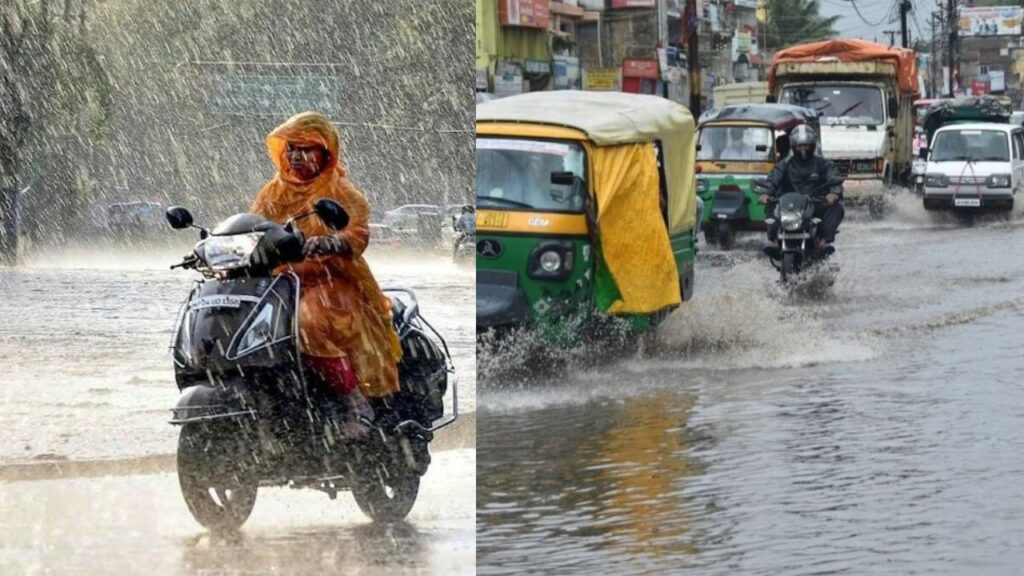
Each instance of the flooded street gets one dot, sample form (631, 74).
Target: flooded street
(139, 525)
(84, 344)
(873, 428)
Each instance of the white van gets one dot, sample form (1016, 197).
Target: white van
(974, 166)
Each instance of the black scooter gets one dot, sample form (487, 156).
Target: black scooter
(797, 248)
(251, 415)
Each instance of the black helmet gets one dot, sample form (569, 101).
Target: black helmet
(803, 135)
(468, 209)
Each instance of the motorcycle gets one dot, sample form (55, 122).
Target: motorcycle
(796, 249)
(464, 253)
(251, 415)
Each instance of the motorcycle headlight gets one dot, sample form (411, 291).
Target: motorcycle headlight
(919, 166)
(936, 181)
(999, 181)
(230, 252)
(551, 261)
(791, 220)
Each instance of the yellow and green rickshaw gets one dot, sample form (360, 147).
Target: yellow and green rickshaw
(736, 145)
(586, 211)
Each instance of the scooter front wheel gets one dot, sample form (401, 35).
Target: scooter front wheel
(386, 494)
(219, 492)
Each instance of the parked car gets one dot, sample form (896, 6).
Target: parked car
(408, 216)
(134, 219)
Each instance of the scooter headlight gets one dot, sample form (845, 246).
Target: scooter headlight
(230, 252)
(791, 220)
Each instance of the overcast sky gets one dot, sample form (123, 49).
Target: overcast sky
(877, 12)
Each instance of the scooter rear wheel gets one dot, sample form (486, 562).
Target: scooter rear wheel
(219, 492)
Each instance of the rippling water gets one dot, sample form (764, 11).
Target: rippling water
(872, 428)
(84, 367)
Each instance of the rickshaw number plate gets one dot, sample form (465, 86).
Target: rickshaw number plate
(968, 202)
(492, 219)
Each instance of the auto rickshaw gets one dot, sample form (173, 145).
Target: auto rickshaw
(736, 145)
(586, 211)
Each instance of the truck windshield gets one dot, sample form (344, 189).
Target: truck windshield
(970, 145)
(846, 105)
(735, 143)
(517, 174)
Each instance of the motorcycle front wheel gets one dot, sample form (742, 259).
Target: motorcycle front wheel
(386, 495)
(788, 266)
(219, 491)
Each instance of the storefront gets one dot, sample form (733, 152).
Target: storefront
(640, 76)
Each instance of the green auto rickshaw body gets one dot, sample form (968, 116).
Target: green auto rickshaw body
(586, 212)
(737, 145)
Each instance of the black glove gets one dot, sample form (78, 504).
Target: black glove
(321, 245)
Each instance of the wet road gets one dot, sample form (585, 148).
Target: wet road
(139, 525)
(84, 338)
(873, 428)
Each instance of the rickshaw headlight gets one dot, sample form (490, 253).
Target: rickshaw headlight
(550, 261)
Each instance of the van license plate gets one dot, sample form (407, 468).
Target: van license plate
(968, 202)
(492, 219)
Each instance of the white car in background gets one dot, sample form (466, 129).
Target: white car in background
(975, 166)
(407, 216)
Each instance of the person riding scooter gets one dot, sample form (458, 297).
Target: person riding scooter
(466, 224)
(347, 338)
(810, 174)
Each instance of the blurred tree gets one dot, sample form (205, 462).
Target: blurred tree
(792, 22)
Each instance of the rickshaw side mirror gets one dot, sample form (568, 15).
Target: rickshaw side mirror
(923, 153)
(894, 107)
(761, 148)
(770, 99)
(563, 178)
(698, 147)
(782, 145)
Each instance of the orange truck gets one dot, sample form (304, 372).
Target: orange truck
(865, 93)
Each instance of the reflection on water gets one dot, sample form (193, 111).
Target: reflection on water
(594, 478)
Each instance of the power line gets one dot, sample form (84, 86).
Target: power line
(865, 20)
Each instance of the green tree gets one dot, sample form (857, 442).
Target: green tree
(792, 22)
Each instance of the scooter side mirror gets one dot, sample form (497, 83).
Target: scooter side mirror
(331, 213)
(178, 217)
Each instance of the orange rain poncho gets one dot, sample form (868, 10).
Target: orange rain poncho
(342, 311)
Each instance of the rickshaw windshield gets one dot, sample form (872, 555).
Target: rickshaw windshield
(740, 143)
(541, 175)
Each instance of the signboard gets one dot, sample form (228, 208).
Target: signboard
(601, 79)
(996, 80)
(634, 3)
(979, 87)
(508, 80)
(537, 67)
(743, 41)
(632, 68)
(270, 95)
(990, 21)
(566, 70)
(525, 13)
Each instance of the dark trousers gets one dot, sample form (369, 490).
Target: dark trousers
(831, 216)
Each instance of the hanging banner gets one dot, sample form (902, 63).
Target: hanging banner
(990, 21)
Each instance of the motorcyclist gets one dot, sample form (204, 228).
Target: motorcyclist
(346, 331)
(807, 173)
(465, 225)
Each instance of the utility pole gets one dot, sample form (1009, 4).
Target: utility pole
(904, 9)
(892, 36)
(951, 21)
(934, 57)
(691, 26)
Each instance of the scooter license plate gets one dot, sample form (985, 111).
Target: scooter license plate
(967, 202)
(218, 301)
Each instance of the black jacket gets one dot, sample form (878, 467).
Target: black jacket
(816, 176)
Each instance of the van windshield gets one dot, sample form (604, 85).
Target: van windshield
(970, 145)
(846, 105)
(516, 173)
